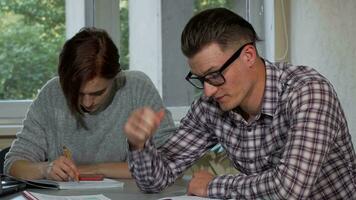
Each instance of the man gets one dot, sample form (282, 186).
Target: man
(282, 126)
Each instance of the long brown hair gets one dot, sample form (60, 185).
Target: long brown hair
(90, 53)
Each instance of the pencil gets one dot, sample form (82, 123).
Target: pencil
(68, 154)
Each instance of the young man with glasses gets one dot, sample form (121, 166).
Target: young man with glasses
(282, 126)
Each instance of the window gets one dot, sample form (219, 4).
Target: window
(32, 33)
(146, 32)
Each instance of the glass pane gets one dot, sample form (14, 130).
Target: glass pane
(32, 34)
(124, 34)
(201, 5)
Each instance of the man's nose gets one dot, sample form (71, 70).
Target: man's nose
(209, 90)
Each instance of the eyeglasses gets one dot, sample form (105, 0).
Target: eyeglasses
(215, 78)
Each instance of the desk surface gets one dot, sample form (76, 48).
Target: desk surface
(129, 192)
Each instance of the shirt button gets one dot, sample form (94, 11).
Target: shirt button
(249, 129)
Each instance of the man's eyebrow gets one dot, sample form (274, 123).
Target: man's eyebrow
(211, 69)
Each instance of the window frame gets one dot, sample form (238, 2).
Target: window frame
(11, 116)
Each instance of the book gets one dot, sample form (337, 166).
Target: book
(38, 196)
(69, 185)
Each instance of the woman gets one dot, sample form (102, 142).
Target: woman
(84, 111)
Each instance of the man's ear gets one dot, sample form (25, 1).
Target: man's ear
(249, 55)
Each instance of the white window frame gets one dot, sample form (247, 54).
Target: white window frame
(11, 116)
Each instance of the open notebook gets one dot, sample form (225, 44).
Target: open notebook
(105, 183)
(38, 196)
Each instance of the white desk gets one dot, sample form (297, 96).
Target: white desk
(129, 192)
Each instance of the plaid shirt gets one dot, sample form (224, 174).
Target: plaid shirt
(298, 147)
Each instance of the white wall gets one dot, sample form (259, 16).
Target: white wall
(323, 35)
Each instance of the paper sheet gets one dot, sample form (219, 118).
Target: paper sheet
(106, 183)
(40, 196)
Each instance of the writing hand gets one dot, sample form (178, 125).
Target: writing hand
(62, 169)
(198, 185)
(141, 125)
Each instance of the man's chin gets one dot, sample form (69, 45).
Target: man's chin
(224, 107)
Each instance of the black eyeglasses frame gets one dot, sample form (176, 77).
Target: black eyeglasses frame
(217, 73)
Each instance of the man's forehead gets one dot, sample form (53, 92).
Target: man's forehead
(208, 59)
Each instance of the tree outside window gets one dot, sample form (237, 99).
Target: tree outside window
(32, 34)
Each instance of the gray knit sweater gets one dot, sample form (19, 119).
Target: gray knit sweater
(49, 125)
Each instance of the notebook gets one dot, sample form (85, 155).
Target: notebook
(38, 196)
(105, 183)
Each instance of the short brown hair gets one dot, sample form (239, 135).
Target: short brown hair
(219, 25)
(90, 53)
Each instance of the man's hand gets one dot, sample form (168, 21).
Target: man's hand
(61, 169)
(141, 125)
(198, 186)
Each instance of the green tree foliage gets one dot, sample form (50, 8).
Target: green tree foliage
(124, 37)
(33, 32)
(205, 4)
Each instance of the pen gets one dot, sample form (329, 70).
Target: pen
(28, 195)
(91, 177)
(68, 154)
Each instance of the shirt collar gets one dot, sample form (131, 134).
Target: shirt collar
(270, 98)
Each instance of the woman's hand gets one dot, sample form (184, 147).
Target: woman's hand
(61, 169)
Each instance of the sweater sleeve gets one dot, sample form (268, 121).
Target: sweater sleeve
(31, 142)
(145, 94)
